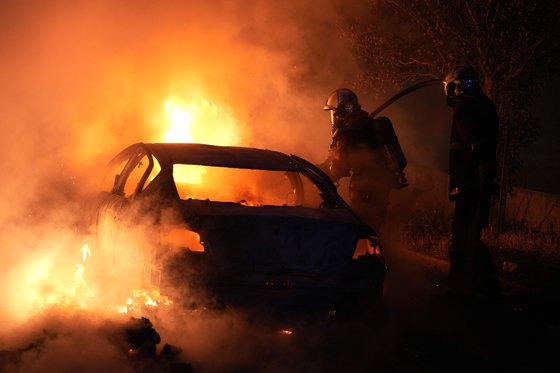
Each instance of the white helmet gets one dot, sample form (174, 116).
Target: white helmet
(342, 103)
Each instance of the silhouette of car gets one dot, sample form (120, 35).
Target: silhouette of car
(243, 226)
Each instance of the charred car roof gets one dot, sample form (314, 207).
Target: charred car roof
(222, 156)
(168, 154)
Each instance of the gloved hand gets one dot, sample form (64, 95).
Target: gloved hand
(401, 180)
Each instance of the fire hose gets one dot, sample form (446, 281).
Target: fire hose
(404, 92)
(393, 154)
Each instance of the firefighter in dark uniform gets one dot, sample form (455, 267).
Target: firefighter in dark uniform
(472, 183)
(367, 150)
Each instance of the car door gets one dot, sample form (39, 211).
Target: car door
(120, 236)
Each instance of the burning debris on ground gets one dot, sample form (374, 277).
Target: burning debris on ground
(130, 345)
(142, 339)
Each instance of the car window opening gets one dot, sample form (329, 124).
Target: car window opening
(124, 177)
(138, 175)
(247, 187)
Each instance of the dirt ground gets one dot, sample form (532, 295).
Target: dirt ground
(417, 328)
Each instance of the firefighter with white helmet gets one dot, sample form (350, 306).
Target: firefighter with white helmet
(367, 150)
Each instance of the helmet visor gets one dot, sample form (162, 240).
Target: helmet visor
(450, 88)
(332, 102)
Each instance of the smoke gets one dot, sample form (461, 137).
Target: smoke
(70, 342)
(80, 81)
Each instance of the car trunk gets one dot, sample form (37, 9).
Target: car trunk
(276, 256)
(274, 238)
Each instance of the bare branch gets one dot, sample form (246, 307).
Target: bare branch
(514, 44)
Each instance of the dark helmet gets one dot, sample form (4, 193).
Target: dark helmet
(461, 82)
(342, 103)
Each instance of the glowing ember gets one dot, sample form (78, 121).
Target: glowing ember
(144, 299)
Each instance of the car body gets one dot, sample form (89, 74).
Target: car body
(261, 227)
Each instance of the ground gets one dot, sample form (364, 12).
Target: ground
(516, 332)
(417, 328)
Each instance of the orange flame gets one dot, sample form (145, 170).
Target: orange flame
(180, 120)
(199, 121)
(144, 299)
(76, 294)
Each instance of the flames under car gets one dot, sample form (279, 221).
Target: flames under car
(249, 226)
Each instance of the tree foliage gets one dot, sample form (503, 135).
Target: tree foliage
(514, 45)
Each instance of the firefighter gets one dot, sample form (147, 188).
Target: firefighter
(472, 182)
(367, 150)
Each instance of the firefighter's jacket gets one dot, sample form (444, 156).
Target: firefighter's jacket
(358, 151)
(473, 142)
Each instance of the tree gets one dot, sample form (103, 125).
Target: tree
(514, 45)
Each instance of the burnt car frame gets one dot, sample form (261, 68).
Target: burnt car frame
(309, 251)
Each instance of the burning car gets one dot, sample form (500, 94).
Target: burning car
(249, 226)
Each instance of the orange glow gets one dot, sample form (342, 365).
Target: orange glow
(180, 121)
(199, 121)
(73, 294)
(85, 252)
(364, 247)
(182, 237)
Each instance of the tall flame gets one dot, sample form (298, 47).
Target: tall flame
(180, 120)
(199, 121)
